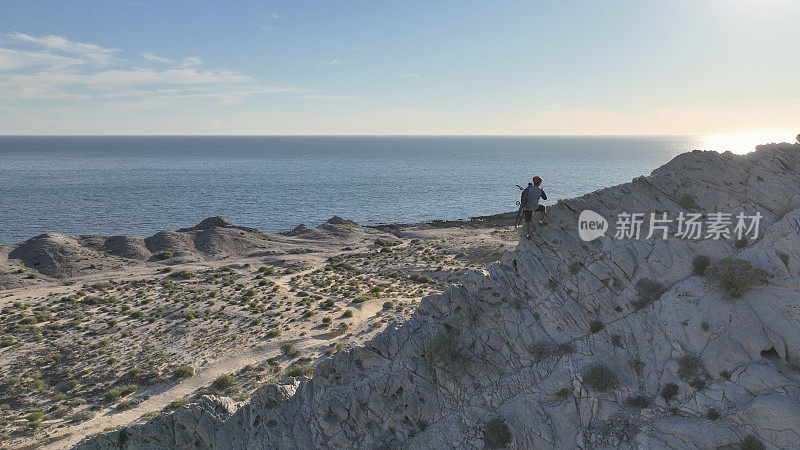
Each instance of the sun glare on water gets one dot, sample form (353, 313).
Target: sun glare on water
(741, 143)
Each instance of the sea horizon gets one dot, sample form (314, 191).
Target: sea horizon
(139, 185)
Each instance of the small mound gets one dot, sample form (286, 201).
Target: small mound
(179, 243)
(127, 247)
(54, 255)
(298, 230)
(336, 220)
(212, 222)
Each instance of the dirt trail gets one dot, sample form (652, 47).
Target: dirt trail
(161, 395)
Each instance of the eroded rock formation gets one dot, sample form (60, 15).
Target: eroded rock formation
(561, 344)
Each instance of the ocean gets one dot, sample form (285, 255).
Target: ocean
(137, 185)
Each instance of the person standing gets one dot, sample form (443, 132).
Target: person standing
(530, 204)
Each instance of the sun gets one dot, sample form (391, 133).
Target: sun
(741, 143)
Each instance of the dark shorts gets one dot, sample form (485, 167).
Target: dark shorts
(528, 214)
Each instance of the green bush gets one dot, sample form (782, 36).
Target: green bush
(420, 278)
(669, 391)
(596, 326)
(288, 349)
(442, 352)
(687, 202)
(184, 274)
(736, 276)
(224, 382)
(361, 299)
(182, 372)
(380, 242)
(599, 377)
(690, 367)
(751, 443)
(7, 342)
(164, 254)
(496, 434)
(388, 305)
(328, 304)
(649, 290)
(699, 264)
(300, 370)
(540, 350)
(274, 332)
(347, 314)
(326, 321)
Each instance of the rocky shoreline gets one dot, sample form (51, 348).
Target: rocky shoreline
(562, 343)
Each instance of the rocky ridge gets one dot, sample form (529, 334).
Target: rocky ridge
(564, 343)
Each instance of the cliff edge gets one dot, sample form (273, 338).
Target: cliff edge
(615, 342)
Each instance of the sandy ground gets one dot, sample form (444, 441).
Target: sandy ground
(101, 349)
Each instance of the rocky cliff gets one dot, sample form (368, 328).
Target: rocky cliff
(566, 343)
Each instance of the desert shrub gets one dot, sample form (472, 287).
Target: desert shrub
(288, 349)
(496, 434)
(300, 370)
(164, 254)
(118, 392)
(82, 416)
(784, 258)
(540, 350)
(751, 443)
(184, 274)
(740, 243)
(649, 290)
(596, 326)
(388, 305)
(564, 348)
(361, 299)
(7, 342)
(638, 401)
(381, 242)
(736, 276)
(690, 367)
(326, 321)
(442, 351)
(182, 372)
(563, 393)
(699, 264)
(669, 391)
(275, 332)
(420, 278)
(705, 325)
(328, 304)
(599, 377)
(224, 382)
(712, 414)
(347, 314)
(687, 202)
(175, 404)
(266, 270)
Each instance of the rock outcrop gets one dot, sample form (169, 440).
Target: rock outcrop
(565, 343)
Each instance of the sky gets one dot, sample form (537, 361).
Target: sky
(400, 67)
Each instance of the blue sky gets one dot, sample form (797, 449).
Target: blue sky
(405, 67)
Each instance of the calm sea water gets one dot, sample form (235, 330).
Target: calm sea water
(139, 185)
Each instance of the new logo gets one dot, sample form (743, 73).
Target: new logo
(591, 225)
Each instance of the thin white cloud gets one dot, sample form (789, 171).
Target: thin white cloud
(335, 62)
(95, 53)
(18, 59)
(190, 61)
(326, 97)
(410, 75)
